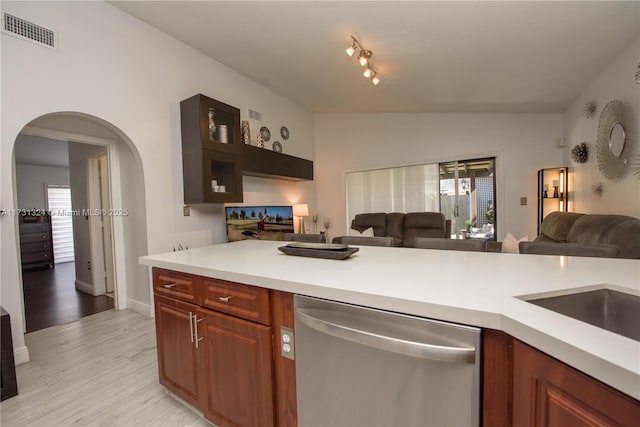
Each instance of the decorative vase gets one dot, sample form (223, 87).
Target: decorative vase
(260, 140)
(212, 125)
(245, 132)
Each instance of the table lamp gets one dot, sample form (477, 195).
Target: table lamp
(301, 211)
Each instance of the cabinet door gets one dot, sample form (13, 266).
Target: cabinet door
(549, 393)
(236, 371)
(177, 353)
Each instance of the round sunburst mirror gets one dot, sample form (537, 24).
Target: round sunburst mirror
(614, 142)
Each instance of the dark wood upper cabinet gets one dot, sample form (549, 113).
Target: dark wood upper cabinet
(207, 123)
(269, 164)
(212, 150)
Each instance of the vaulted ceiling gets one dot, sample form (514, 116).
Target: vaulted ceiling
(474, 56)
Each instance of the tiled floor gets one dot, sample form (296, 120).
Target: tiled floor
(97, 371)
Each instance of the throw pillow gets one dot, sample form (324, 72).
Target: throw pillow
(510, 245)
(366, 233)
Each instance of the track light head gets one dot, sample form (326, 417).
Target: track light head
(375, 80)
(364, 57)
(351, 50)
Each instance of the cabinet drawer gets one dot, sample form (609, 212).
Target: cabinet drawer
(37, 257)
(176, 285)
(34, 238)
(35, 247)
(36, 227)
(245, 301)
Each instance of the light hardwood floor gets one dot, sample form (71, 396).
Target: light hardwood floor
(98, 371)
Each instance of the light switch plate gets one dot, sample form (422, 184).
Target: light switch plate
(186, 211)
(523, 201)
(286, 343)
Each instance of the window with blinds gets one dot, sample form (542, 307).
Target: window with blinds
(59, 202)
(401, 189)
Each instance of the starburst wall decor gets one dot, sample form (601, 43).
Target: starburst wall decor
(580, 153)
(589, 108)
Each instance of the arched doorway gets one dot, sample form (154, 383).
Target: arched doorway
(90, 137)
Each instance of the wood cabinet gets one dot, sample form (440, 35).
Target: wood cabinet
(177, 354)
(215, 348)
(236, 370)
(36, 241)
(553, 192)
(270, 164)
(212, 151)
(525, 387)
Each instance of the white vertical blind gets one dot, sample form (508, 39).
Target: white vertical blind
(59, 201)
(403, 189)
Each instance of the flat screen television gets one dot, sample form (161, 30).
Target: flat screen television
(258, 222)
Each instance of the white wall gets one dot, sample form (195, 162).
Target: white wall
(522, 143)
(114, 67)
(31, 181)
(617, 82)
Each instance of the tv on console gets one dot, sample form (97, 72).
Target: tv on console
(258, 222)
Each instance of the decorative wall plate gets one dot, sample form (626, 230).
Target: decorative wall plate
(614, 141)
(284, 133)
(277, 147)
(266, 134)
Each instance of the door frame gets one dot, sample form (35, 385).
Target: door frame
(98, 192)
(116, 200)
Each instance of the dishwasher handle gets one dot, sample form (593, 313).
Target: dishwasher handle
(397, 345)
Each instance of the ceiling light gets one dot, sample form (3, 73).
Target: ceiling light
(364, 59)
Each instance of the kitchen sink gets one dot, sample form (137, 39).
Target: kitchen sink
(614, 311)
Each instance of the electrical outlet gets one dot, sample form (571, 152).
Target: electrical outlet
(286, 342)
(186, 211)
(88, 265)
(523, 201)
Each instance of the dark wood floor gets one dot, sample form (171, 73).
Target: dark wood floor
(50, 298)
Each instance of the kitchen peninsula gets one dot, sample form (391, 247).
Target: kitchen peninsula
(469, 288)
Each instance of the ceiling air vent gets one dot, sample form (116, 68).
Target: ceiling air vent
(26, 30)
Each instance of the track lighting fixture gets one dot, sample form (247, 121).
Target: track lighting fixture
(364, 59)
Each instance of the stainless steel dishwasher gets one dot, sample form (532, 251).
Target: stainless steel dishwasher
(358, 366)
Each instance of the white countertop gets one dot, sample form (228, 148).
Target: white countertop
(473, 288)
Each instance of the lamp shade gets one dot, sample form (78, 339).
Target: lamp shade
(301, 210)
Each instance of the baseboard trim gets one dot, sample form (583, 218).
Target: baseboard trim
(21, 355)
(85, 287)
(139, 307)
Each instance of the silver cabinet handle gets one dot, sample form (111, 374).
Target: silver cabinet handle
(225, 299)
(170, 285)
(191, 325)
(195, 327)
(397, 345)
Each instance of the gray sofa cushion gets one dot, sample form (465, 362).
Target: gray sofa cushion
(395, 225)
(556, 226)
(363, 241)
(619, 230)
(475, 245)
(378, 221)
(422, 224)
(570, 249)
